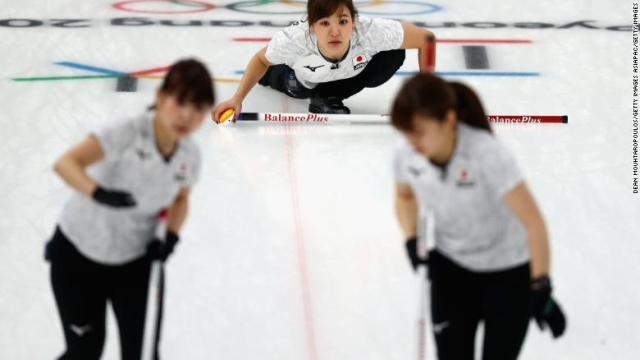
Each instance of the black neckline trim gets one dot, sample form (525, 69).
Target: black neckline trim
(335, 61)
(167, 158)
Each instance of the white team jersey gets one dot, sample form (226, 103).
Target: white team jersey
(473, 225)
(132, 163)
(297, 48)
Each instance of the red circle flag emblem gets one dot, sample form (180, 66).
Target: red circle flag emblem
(359, 61)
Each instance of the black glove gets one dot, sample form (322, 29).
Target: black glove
(545, 309)
(412, 252)
(115, 198)
(160, 250)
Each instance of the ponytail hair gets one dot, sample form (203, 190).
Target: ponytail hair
(469, 108)
(431, 96)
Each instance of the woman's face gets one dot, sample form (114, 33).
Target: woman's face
(430, 137)
(179, 120)
(334, 33)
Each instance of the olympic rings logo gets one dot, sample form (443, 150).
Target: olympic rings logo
(188, 6)
(273, 7)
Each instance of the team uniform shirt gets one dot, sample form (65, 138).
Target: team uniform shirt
(132, 163)
(296, 47)
(473, 225)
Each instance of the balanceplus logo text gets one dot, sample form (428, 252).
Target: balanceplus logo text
(295, 118)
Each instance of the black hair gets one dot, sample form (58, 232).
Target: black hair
(318, 9)
(431, 96)
(190, 81)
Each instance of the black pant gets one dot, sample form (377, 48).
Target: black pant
(82, 287)
(460, 299)
(378, 71)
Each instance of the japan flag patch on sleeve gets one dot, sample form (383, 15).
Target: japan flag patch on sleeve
(359, 61)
